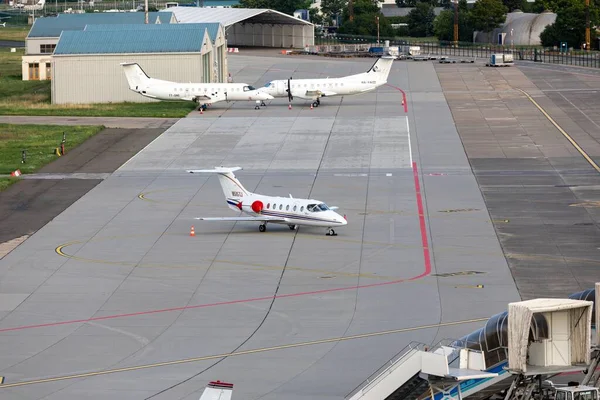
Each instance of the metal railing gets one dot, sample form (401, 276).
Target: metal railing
(474, 50)
(394, 361)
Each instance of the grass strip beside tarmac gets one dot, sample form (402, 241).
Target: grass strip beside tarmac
(14, 33)
(40, 143)
(19, 97)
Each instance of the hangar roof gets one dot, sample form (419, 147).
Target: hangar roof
(134, 41)
(53, 26)
(211, 27)
(230, 16)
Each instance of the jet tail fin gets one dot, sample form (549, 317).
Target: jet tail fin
(217, 391)
(136, 77)
(232, 188)
(381, 69)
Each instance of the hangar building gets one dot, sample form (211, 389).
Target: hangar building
(86, 63)
(519, 29)
(252, 27)
(43, 36)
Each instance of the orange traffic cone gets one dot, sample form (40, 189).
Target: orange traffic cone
(311, 106)
(192, 232)
(402, 101)
(201, 111)
(289, 106)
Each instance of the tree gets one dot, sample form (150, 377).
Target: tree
(284, 6)
(365, 20)
(406, 3)
(513, 5)
(488, 15)
(570, 26)
(443, 25)
(332, 8)
(420, 20)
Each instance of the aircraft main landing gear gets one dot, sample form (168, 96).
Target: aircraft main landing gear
(262, 227)
(293, 227)
(331, 232)
(316, 103)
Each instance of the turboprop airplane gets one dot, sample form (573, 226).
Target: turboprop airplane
(314, 89)
(278, 210)
(217, 391)
(203, 93)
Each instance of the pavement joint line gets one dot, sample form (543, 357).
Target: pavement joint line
(239, 353)
(561, 130)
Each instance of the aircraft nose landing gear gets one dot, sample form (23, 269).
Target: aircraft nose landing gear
(331, 232)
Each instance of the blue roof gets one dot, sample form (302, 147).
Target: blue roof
(53, 26)
(212, 27)
(131, 41)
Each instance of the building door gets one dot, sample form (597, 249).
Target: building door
(34, 71)
(48, 71)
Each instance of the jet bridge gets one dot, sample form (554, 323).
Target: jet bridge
(413, 371)
(546, 337)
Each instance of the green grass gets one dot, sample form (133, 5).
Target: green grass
(40, 142)
(18, 97)
(18, 33)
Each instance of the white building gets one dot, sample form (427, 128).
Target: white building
(86, 64)
(43, 36)
(252, 27)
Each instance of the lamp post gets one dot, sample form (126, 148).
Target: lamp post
(587, 25)
(455, 22)
(377, 30)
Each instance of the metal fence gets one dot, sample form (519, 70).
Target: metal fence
(473, 50)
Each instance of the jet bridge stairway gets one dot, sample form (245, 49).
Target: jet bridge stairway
(407, 376)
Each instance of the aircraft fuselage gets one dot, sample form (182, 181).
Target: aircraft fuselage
(294, 211)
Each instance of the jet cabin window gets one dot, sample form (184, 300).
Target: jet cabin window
(317, 207)
(247, 88)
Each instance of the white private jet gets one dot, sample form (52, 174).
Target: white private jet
(217, 391)
(279, 210)
(314, 89)
(203, 93)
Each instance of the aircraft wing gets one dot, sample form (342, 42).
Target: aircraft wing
(210, 98)
(312, 94)
(249, 219)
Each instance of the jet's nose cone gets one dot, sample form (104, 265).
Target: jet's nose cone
(341, 220)
(265, 96)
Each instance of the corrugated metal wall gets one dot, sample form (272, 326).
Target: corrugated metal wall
(100, 78)
(267, 35)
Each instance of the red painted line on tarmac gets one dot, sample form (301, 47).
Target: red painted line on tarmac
(404, 102)
(422, 224)
(426, 272)
(222, 303)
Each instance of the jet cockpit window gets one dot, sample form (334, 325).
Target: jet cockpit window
(317, 207)
(248, 88)
(268, 84)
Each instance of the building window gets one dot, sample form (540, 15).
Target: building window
(48, 71)
(47, 48)
(34, 71)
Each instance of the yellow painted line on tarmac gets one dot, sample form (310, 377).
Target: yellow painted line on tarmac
(561, 130)
(239, 353)
(60, 251)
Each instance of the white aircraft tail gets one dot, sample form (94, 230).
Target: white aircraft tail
(232, 188)
(217, 391)
(379, 71)
(136, 77)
